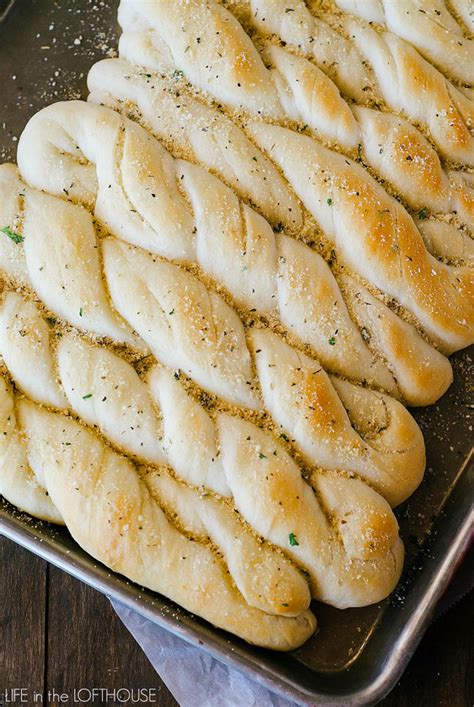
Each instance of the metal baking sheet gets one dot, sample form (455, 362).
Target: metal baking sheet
(357, 655)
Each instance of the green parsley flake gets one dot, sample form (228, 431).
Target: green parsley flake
(15, 237)
(86, 397)
(332, 341)
(261, 455)
(80, 312)
(329, 201)
(422, 214)
(292, 540)
(285, 437)
(172, 312)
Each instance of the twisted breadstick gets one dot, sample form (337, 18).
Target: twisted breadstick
(233, 244)
(299, 89)
(302, 91)
(343, 570)
(111, 513)
(426, 24)
(405, 80)
(220, 33)
(179, 26)
(201, 132)
(83, 302)
(393, 147)
(191, 328)
(397, 151)
(308, 95)
(400, 154)
(410, 84)
(208, 44)
(297, 395)
(374, 234)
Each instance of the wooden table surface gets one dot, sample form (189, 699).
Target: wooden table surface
(57, 633)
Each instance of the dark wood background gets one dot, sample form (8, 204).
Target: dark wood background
(58, 633)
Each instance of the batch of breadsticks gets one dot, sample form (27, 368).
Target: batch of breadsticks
(225, 277)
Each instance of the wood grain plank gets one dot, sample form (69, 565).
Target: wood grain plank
(88, 646)
(23, 586)
(441, 672)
